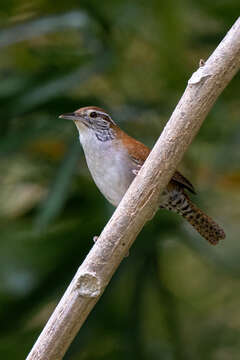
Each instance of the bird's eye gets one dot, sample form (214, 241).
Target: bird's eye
(93, 114)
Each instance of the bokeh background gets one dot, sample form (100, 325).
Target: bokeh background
(175, 296)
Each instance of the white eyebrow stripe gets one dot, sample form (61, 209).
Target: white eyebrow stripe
(98, 112)
(102, 113)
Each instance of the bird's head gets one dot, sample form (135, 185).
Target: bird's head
(92, 118)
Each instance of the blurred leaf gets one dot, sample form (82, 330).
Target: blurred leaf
(60, 188)
(57, 87)
(42, 26)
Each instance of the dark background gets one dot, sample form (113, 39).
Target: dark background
(175, 296)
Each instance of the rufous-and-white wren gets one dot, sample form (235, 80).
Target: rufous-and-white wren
(114, 159)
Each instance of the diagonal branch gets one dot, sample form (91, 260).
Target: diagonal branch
(140, 202)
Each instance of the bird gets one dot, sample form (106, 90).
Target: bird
(114, 159)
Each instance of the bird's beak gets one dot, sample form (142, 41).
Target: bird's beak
(69, 116)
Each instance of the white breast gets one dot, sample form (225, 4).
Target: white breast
(109, 167)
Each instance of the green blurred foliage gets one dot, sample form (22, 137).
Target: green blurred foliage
(175, 296)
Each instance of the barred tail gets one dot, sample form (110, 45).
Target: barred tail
(179, 202)
(203, 223)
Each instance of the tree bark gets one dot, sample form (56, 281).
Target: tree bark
(141, 200)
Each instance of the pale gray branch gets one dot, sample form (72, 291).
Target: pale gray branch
(140, 202)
